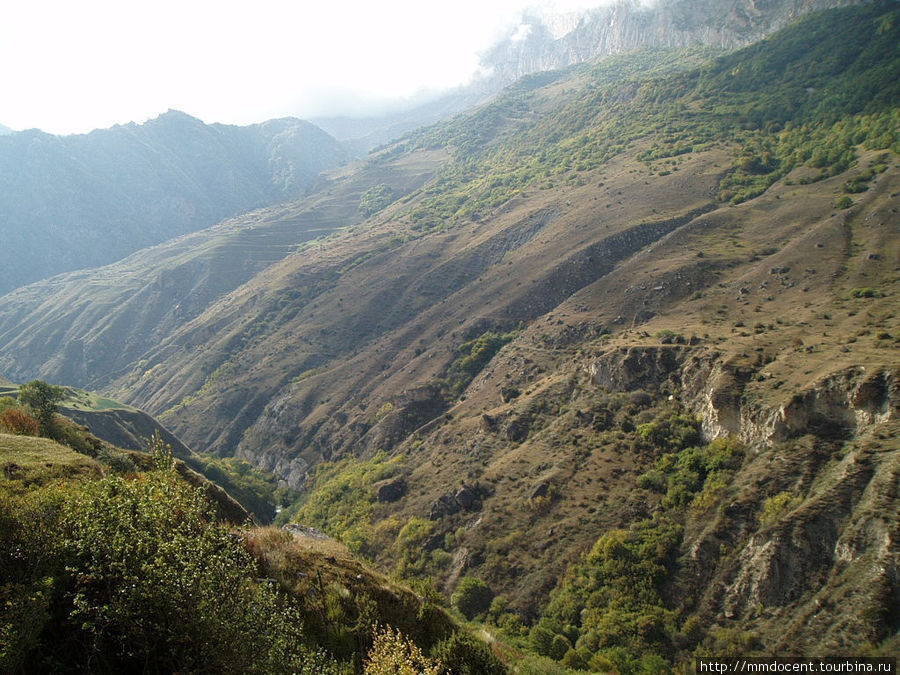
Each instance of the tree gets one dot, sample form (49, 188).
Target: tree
(471, 597)
(43, 399)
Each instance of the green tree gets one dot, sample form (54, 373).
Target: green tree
(472, 597)
(43, 399)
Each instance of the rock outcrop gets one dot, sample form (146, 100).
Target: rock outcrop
(551, 42)
(841, 404)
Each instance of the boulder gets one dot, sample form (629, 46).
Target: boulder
(539, 490)
(390, 489)
(465, 498)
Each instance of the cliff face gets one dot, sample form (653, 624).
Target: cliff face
(834, 542)
(845, 403)
(552, 42)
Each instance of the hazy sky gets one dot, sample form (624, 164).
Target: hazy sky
(70, 66)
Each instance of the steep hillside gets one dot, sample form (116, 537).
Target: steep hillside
(631, 354)
(73, 202)
(85, 328)
(110, 568)
(555, 41)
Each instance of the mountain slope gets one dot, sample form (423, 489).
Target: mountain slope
(638, 332)
(549, 42)
(552, 42)
(63, 329)
(135, 565)
(70, 202)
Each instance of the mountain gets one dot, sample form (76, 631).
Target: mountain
(620, 345)
(72, 202)
(5, 130)
(89, 327)
(545, 42)
(550, 42)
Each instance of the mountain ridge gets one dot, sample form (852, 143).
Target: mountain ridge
(545, 42)
(71, 202)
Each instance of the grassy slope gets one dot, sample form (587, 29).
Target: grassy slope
(341, 600)
(27, 460)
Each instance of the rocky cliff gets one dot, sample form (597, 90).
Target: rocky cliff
(548, 42)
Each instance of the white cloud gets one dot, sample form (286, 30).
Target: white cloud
(73, 66)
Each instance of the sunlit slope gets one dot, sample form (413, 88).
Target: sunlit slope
(524, 219)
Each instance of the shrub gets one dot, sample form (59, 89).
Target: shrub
(471, 597)
(393, 654)
(843, 203)
(541, 639)
(17, 421)
(462, 654)
(776, 506)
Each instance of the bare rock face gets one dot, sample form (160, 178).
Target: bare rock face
(463, 498)
(825, 562)
(829, 562)
(552, 42)
(837, 406)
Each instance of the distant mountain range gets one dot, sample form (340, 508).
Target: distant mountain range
(71, 202)
(4, 130)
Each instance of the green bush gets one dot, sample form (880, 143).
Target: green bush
(462, 654)
(775, 507)
(471, 597)
(122, 575)
(866, 292)
(843, 203)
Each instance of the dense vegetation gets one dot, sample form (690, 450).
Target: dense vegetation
(111, 561)
(134, 573)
